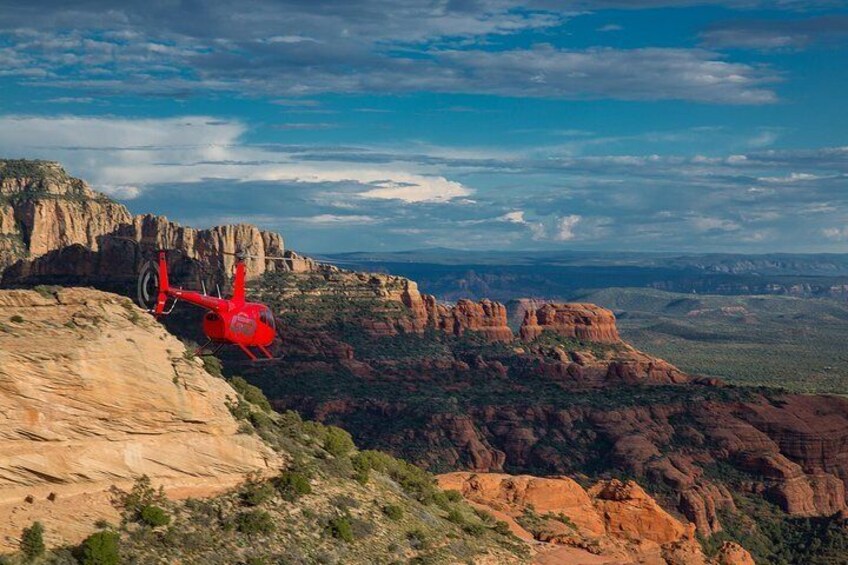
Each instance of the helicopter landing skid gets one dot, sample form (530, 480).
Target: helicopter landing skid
(252, 356)
(202, 349)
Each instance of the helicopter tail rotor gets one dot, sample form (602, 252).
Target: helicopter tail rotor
(148, 286)
(153, 284)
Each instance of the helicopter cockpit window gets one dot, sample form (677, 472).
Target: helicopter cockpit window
(266, 317)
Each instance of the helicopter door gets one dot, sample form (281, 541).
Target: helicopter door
(267, 318)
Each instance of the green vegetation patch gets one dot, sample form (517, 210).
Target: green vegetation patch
(776, 341)
(771, 536)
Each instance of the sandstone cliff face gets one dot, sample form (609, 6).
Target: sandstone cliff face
(485, 317)
(94, 393)
(585, 322)
(613, 521)
(55, 227)
(44, 209)
(397, 306)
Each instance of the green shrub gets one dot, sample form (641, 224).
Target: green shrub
(341, 528)
(393, 511)
(474, 529)
(362, 477)
(240, 410)
(418, 539)
(453, 495)
(154, 516)
(143, 503)
(457, 517)
(485, 517)
(315, 430)
(17, 319)
(442, 500)
(141, 495)
(58, 556)
(502, 528)
(256, 491)
(255, 522)
(414, 481)
(100, 549)
(292, 485)
(252, 394)
(261, 420)
(338, 442)
(212, 365)
(32, 541)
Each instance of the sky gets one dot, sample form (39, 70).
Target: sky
(625, 125)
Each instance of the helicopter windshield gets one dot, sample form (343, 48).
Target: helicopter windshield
(266, 317)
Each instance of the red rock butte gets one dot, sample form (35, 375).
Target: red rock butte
(585, 322)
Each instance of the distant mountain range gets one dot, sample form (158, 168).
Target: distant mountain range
(505, 275)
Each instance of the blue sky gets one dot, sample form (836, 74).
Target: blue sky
(656, 125)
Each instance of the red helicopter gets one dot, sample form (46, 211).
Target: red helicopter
(229, 321)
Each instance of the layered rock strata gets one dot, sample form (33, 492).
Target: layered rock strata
(585, 322)
(55, 227)
(93, 394)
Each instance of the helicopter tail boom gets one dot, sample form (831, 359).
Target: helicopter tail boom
(164, 286)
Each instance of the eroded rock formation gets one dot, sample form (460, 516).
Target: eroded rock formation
(613, 521)
(585, 322)
(43, 209)
(485, 317)
(397, 306)
(94, 393)
(55, 227)
(567, 406)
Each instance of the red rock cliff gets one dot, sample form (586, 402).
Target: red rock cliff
(485, 317)
(619, 521)
(586, 322)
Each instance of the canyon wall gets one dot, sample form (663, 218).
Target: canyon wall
(56, 228)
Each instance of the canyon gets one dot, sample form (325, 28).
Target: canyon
(537, 388)
(550, 403)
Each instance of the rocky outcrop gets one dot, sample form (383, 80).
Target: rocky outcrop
(56, 228)
(731, 553)
(42, 209)
(613, 521)
(629, 512)
(94, 393)
(487, 318)
(397, 306)
(585, 322)
(517, 309)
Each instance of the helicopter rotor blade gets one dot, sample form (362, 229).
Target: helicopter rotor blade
(248, 256)
(142, 242)
(122, 238)
(316, 258)
(332, 261)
